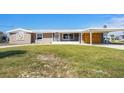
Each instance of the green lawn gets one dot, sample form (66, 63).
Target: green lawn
(118, 42)
(61, 61)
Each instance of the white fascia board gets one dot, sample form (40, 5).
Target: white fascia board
(19, 29)
(69, 30)
(103, 29)
(58, 31)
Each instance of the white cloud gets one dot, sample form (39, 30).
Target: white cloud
(116, 22)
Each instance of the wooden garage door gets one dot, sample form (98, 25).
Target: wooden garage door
(96, 38)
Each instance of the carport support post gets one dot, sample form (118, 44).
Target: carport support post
(81, 38)
(90, 38)
(36, 38)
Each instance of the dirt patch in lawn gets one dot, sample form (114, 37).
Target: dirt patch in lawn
(47, 57)
(49, 65)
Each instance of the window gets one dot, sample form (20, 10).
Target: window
(39, 36)
(65, 36)
(68, 36)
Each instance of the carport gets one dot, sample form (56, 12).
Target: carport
(95, 35)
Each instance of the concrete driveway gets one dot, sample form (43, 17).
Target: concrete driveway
(115, 46)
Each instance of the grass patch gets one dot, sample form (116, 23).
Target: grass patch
(118, 42)
(61, 61)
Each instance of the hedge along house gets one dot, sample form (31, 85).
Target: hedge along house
(72, 36)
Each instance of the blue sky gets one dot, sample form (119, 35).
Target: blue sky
(59, 21)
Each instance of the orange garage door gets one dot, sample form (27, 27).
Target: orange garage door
(96, 38)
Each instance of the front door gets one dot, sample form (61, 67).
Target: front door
(33, 37)
(56, 37)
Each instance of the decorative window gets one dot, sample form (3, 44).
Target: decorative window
(39, 36)
(20, 36)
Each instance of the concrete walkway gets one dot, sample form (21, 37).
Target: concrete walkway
(120, 47)
(7, 46)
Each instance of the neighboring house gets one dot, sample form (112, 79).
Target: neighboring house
(120, 37)
(3, 37)
(69, 36)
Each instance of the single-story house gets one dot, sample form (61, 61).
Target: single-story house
(66, 36)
